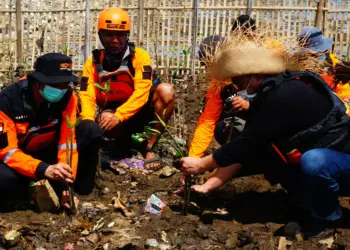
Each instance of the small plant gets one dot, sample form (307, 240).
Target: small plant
(65, 49)
(163, 140)
(106, 89)
(186, 52)
(69, 157)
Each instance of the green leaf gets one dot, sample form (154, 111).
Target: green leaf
(108, 85)
(137, 138)
(105, 88)
(150, 129)
(175, 71)
(177, 154)
(77, 122)
(164, 111)
(160, 120)
(154, 122)
(70, 126)
(186, 52)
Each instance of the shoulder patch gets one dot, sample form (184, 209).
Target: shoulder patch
(3, 140)
(84, 83)
(147, 68)
(147, 72)
(147, 75)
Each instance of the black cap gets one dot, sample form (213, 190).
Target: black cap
(53, 68)
(244, 22)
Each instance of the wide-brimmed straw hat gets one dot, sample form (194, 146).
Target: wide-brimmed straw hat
(246, 59)
(257, 54)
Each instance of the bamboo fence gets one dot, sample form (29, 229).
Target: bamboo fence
(167, 29)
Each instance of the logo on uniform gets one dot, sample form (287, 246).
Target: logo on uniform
(66, 66)
(21, 117)
(115, 26)
(2, 127)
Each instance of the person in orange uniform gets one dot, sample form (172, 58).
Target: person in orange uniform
(313, 39)
(223, 112)
(117, 90)
(337, 77)
(33, 127)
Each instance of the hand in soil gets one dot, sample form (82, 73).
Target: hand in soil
(202, 189)
(108, 121)
(59, 172)
(66, 199)
(189, 165)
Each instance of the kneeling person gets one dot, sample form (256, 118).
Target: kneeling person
(117, 90)
(33, 127)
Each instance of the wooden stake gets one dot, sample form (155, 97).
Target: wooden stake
(19, 42)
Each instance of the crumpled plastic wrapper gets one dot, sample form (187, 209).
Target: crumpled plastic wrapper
(154, 205)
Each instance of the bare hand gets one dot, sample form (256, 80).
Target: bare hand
(108, 121)
(66, 200)
(59, 172)
(238, 104)
(202, 189)
(190, 165)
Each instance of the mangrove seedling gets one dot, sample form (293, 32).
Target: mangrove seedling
(163, 140)
(69, 157)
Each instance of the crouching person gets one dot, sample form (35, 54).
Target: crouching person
(296, 128)
(34, 113)
(119, 93)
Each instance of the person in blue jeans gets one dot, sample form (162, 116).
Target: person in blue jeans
(297, 131)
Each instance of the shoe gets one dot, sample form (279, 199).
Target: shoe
(320, 229)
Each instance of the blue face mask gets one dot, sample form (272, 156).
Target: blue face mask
(244, 94)
(52, 94)
(322, 57)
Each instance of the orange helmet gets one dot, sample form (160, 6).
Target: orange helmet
(113, 19)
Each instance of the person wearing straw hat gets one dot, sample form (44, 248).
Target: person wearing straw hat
(296, 128)
(119, 92)
(224, 111)
(219, 119)
(317, 44)
(34, 128)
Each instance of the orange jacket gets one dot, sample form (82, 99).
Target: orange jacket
(342, 90)
(205, 128)
(139, 97)
(19, 136)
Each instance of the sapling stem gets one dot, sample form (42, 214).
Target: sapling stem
(188, 179)
(69, 153)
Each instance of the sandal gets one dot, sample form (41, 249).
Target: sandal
(156, 159)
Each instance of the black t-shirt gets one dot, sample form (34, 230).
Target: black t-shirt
(284, 111)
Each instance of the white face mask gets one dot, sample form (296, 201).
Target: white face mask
(244, 94)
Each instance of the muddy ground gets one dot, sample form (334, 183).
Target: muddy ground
(247, 213)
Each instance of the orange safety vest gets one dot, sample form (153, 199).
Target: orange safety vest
(120, 81)
(22, 133)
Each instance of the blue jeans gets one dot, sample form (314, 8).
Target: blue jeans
(325, 176)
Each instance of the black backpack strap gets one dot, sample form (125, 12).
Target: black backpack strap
(131, 55)
(132, 49)
(274, 82)
(96, 53)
